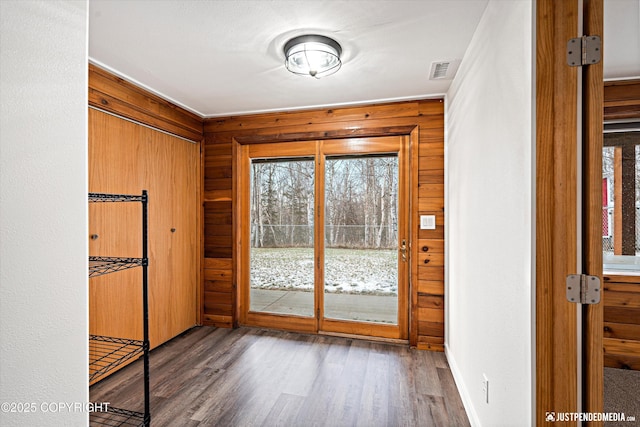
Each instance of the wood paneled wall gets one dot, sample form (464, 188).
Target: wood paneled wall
(115, 95)
(125, 157)
(622, 322)
(622, 99)
(423, 120)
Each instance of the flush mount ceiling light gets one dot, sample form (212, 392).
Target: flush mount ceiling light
(313, 55)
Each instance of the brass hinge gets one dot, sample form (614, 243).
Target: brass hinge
(585, 50)
(583, 289)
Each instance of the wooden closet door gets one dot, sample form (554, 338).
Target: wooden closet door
(125, 157)
(115, 300)
(171, 174)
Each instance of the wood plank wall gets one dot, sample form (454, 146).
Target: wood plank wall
(622, 322)
(116, 95)
(424, 120)
(622, 99)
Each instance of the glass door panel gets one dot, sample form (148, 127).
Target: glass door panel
(281, 259)
(361, 238)
(621, 202)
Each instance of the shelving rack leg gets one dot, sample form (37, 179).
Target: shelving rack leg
(145, 304)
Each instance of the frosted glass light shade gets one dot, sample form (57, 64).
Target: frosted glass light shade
(313, 55)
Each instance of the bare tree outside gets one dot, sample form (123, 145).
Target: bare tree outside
(282, 205)
(360, 207)
(360, 203)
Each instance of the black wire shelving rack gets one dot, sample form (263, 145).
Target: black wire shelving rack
(107, 353)
(99, 265)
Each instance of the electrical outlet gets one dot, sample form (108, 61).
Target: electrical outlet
(485, 388)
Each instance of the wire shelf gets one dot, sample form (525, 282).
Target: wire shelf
(118, 417)
(99, 265)
(105, 353)
(108, 353)
(100, 197)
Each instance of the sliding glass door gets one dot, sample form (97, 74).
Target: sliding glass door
(324, 236)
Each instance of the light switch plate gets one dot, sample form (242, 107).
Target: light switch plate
(427, 222)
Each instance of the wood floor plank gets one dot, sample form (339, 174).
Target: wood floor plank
(426, 377)
(304, 370)
(402, 403)
(374, 401)
(258, 377)
(455, 409)
(346, 398)
(246, 387)
(318, 402)
(263, 367)
(431, 411)
(285, 411)
(174, 373)
(440, 359)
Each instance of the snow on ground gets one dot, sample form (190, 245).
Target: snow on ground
(357, 271)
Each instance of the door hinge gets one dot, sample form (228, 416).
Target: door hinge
(585, 50)
(583, 289)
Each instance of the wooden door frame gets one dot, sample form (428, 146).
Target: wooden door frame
(557, 183)
(243, 152)
(592, 130)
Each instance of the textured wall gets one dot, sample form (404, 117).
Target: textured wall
(43, 212)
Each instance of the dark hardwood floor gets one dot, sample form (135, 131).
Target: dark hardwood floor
(257, 377)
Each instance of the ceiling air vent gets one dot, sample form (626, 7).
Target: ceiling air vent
(443, 70)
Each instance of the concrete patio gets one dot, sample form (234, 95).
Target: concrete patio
(364, 308)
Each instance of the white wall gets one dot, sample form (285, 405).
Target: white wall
(43, 211)
(489, 155)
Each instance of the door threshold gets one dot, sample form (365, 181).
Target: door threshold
(395, 341)
(366, 338)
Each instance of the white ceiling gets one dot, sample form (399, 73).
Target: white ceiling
(621, 39)
(224, 57)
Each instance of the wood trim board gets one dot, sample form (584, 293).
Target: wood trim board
(113, 94)
(556, 205)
